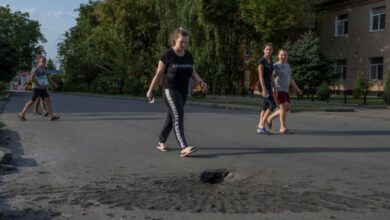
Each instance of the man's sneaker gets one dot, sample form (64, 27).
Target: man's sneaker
(262, 131)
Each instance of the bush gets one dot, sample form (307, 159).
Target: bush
(136, 86)
(59, 79)
(71, 86)
(323, 92)
(105, 85)
(198, 95)
(363, 85)
(386, 92)
(3, 86)
(356, 93)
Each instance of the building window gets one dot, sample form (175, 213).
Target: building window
(376, 68)
(341, 25)
(378, 18)
(341, 69)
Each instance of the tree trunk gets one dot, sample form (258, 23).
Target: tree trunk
(365, 98)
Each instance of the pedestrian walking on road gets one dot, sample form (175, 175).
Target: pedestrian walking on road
(40, 103)
(283, 82)
(176, 66)
(265, 68)
(40, 81)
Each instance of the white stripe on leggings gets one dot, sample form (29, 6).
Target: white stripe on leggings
(175, 118)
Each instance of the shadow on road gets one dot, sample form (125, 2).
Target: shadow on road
(79, 104)
(235, 151)
(110, 119)
(11, 140)
(342, 133)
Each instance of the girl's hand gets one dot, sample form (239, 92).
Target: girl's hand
(264, 94)
(203, 85)
(299, 92)
(149, 95)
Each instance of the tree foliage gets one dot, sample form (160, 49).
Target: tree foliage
(386, 92)
(123, 39)
(311, 67)
(19, 42)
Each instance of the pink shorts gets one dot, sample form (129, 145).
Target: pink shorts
(283, 97)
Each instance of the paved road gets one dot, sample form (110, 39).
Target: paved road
(99, 162)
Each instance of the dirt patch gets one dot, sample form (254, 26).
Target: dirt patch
(190, 194)
(213, 176)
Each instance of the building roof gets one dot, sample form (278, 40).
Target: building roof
(54, 71)
(340, 4)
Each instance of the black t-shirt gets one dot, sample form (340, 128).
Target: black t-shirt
(268, 70)
(178, 70)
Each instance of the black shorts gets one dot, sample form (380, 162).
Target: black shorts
(269, 103)
(39, 93)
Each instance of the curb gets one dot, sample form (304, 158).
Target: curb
(189, 102)
(224, 106)
(339, 110)
(103, 96)
(206, 104)
(5, 155)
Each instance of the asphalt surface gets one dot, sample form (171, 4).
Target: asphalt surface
(99, 162)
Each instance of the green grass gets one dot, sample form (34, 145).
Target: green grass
(339, 99)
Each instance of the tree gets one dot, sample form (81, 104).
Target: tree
(363, 86)
(8, 61)
(310, 67)
(123, 39)
(112, 40)
(274, 20)
(386, 92)
(21, 36)
(50, 65)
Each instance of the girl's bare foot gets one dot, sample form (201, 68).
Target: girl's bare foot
(54, 118)
(161, 147)
(187, 151)
(269, 123)
(21, 117)
(284, 131)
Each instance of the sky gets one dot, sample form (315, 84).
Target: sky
(55, 17)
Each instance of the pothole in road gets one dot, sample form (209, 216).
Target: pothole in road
(215, 176)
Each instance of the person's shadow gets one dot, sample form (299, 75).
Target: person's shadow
(213, 152)
(341, 133)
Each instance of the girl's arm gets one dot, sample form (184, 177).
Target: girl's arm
(33, 79)
(156, 79)
(261, 78)
(199, 80)
(294, 85)
(52, 81)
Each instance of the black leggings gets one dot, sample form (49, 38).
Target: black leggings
(269, 103)
(175, 101)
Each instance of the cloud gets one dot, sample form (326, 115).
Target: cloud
(32, 11)
(59, 14)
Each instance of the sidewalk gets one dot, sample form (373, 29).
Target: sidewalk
(293, 101)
